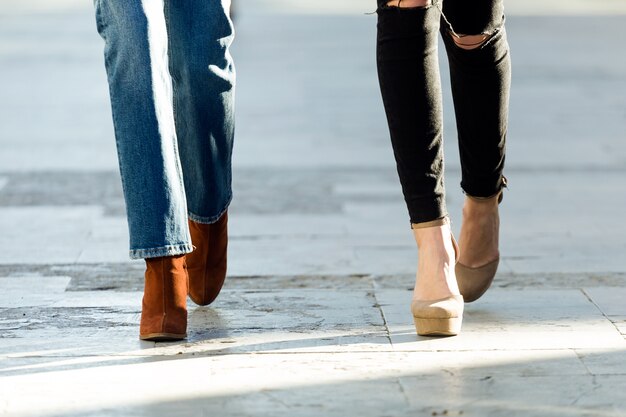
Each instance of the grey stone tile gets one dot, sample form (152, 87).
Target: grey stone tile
(97, 299)
(107, 242)
(105, 331)
(65, 189)
(58, 360)
(26, 291)
(511, 281)
(318, 257)
(603, 361)
(579, 396)
(555, 236)
(505, 320)
(620, 323)
(611, 301)
(306, 384)
(287, 321)
(105, 322)
(36, 235)
(127, 276)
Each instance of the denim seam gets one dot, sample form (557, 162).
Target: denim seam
(179, 169)
(98, 7)
(174, 81)
(107, 63)
(117, 139)
(168, 250)
(213, 219)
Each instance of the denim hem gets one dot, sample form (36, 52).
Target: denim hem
(437, 222)
(484, 189)
(212, 219)
(424, 210)
(428, 218)
(169, 250)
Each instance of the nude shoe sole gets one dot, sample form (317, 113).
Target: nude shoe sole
(438, 327)
(474, 282)
(442, 317)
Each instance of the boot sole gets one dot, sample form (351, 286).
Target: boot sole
(162, 337)
(202, 303)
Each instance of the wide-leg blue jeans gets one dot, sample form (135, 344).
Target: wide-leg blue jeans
(171, 81)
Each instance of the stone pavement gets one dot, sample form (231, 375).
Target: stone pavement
(314, 319)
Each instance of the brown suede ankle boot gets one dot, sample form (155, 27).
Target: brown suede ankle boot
(207, 263)
(164, 308)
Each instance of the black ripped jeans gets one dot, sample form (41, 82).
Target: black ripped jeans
(408, 72)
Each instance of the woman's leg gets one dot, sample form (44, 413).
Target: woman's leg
(408, 73)
(204, 84)
(409, 80)
(203, 73)
(480, 72)
(136, 59)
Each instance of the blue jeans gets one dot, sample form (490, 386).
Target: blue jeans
(171, 81)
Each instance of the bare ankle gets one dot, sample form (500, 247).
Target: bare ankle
(430, 237)
(479, 207)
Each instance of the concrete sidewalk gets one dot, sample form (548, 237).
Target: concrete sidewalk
(314, 318)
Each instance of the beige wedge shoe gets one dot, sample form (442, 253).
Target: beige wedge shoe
(475, 281)
(442, 317)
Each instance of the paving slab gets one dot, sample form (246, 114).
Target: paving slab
(611, 301)
(32, 235)
(314, 318)
(310, 383)
(44, 291)
(526, 319)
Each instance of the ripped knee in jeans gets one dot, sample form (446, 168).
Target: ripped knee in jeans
(469, 42)
(409, 4)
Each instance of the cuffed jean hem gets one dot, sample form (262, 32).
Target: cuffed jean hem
(213, 219)
(427, 209)
(484, 189)
(170, 250)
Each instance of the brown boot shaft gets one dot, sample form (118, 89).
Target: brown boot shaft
(164, 308)
(207, 263)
